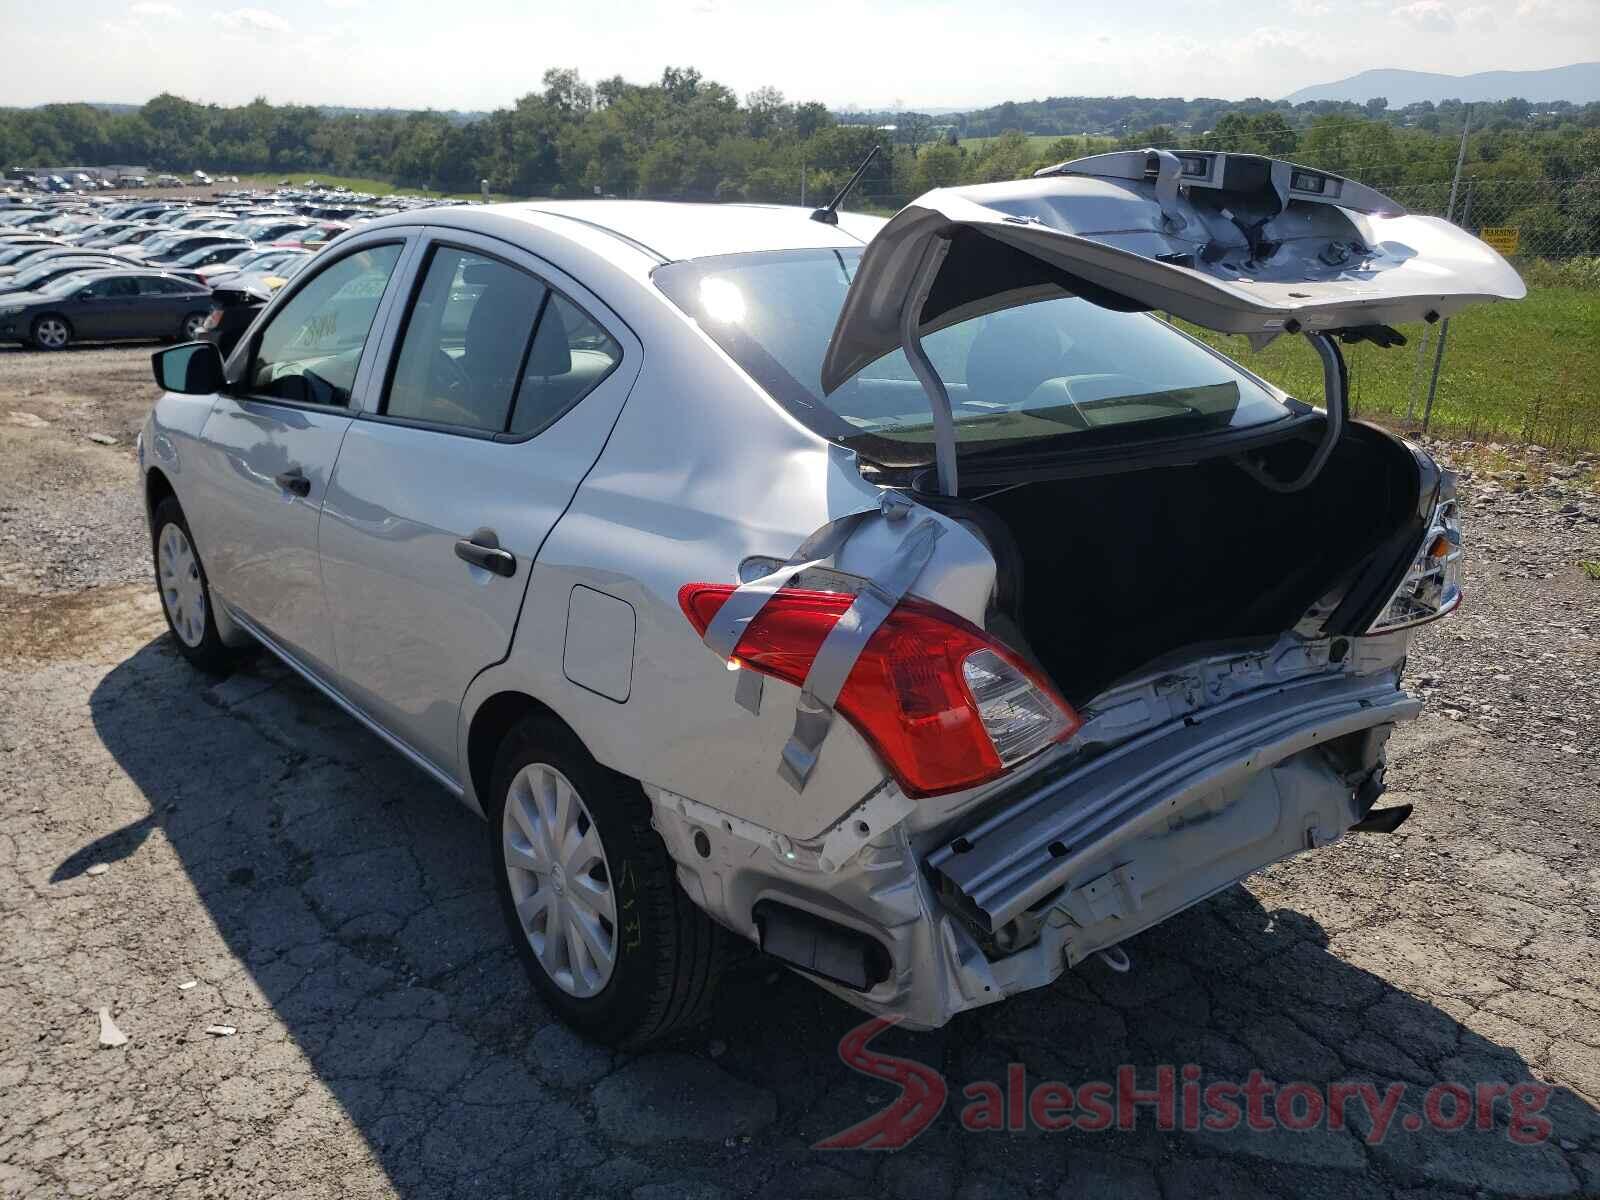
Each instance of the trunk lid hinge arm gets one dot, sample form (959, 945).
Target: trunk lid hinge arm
(944, 423)
(1335, 390)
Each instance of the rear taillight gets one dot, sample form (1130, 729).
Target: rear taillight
(945, 706)
(213, 318)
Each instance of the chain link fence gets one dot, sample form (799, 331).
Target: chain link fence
(1522, 218)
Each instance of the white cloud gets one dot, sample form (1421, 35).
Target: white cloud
(345, 5)
(252, 20)
(1427, 16)
(1577, 13)
(1311, 8)
(1480, 16)
(154, 10)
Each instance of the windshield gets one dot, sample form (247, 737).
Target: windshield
(1060, 368)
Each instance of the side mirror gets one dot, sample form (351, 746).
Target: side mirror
(194, 369)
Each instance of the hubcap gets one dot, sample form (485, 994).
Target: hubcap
(193, 326)
(182, 592)
(560, 880)
(52, 333)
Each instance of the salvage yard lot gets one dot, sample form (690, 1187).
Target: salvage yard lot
(333, 909)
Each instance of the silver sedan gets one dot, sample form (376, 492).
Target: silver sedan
(905, 598)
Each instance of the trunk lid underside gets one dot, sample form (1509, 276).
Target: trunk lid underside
(1236, 243)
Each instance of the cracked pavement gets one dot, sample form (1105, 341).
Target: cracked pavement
(333, 907)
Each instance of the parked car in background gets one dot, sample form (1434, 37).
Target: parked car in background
(14, 255)
(133, 235)
(39, 274)
(168, 181)
(105, 305)
(43, 254)
(195, 218)
(162, 251)
(269, 229)
(99, 230)
(312, 237)
(132, 181)
(221, 255)
(260, 258)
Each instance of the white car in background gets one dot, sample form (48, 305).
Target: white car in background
(904, 598)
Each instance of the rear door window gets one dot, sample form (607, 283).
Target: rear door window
(464, 342)
(310, 349)
(491, 348)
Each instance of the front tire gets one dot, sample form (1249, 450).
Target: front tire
(609, 940)
(51, 332)
(185, 591)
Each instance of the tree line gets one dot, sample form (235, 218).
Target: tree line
(686, 136)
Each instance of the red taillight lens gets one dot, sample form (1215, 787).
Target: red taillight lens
(942, 703)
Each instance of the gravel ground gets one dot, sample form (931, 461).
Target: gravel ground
(331, 908)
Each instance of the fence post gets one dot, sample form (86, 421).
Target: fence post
(1450, 215)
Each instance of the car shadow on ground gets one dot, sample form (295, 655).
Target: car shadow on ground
(354, 895)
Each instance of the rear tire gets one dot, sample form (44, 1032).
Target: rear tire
(666, 955)
(192, 327)
(51, 332)
(185, 591)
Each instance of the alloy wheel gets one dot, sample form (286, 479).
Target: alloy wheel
(182, 591)
(51, 333)
(193, 326)
(560, 880)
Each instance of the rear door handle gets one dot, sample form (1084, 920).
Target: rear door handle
(293, 481)
(482, 549)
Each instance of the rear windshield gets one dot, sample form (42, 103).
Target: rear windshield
(1061, 368)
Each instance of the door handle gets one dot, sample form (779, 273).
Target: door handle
(293, 481)
(482, 549)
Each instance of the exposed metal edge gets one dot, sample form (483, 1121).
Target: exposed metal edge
(311, 677)
(1013, 803)
(1010, 877)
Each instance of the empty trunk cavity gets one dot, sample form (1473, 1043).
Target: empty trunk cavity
(1099, 577)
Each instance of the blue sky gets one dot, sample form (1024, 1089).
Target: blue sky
(484, 53)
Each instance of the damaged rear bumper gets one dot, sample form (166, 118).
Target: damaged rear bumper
(1166, 819)
(1070, 861)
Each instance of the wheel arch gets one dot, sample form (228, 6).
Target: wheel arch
(491, 721)
(157, 487)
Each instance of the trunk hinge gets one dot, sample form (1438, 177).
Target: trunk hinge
(944, 422)
(1335, 390)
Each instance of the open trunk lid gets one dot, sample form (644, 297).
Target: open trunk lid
(1233, 242)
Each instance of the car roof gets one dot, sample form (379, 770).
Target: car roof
(672, 230)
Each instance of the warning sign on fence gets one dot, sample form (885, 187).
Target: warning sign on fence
(1503, 238)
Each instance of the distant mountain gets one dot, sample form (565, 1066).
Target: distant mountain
(1578, 84)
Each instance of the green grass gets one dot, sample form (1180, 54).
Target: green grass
(1519, 372)
(1591, 569)
(376, 187)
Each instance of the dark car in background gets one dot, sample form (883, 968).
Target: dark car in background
(105, 305)
(37, 276)
(132, 236)
(259, 258)
(13, 254)
(163, 251)
(44, 254)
